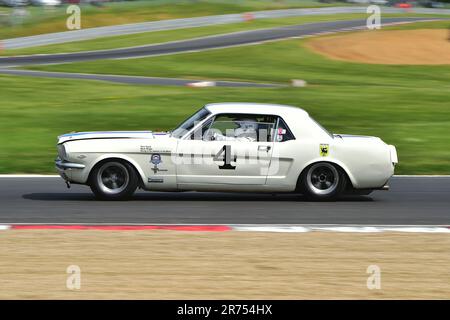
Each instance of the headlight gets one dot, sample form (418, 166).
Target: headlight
(62, 152)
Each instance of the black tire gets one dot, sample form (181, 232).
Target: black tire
(323, 181)
(113, 180)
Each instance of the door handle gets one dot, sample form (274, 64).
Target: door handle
(264, 148)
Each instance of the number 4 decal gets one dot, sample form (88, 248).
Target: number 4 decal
(226, 158)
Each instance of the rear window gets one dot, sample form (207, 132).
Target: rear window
(321, 127)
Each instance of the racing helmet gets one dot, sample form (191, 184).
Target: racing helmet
(247, 128)
(247, 124)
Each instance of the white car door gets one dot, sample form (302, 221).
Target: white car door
(223, 157)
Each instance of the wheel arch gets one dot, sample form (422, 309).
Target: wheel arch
(337, 163)
(121, 158)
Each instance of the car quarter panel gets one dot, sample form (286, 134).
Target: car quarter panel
(367, 160)
(366, 163)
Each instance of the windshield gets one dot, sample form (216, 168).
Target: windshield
(188, 124)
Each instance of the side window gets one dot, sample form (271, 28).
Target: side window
(282, 132)
(223, 125)
(241, 127)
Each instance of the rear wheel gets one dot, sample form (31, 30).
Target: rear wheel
(114, 180)
(323, 181)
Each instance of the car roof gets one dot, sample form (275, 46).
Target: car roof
(256, 108)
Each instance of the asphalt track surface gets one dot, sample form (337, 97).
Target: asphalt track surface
(132, 79)
(115, 30)
(198, 44)
(411, 201)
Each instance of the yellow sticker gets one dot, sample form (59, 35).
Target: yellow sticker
(324, 148)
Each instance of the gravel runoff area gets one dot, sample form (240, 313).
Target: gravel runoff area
(223, 265)
(409, 47)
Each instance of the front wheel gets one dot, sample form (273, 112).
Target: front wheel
(114, 180)
(323, 181)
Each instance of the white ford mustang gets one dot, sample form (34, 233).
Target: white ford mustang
(229, 147)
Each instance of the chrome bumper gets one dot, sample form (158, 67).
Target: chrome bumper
(61, 164)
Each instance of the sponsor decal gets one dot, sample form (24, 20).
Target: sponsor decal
(155, 159)
(280, 133)
(324, 148)
(162, 151)
(146, 149)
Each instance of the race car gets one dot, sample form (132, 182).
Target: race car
(229, 147)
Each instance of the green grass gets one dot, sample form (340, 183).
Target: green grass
(412, 116)
(45, 20)
(423, 25)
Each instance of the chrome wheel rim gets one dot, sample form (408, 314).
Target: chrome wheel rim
(322, 178)
(113, 178)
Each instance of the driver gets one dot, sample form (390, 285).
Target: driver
(246, 131)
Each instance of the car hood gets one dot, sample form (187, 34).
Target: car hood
(110, 135)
